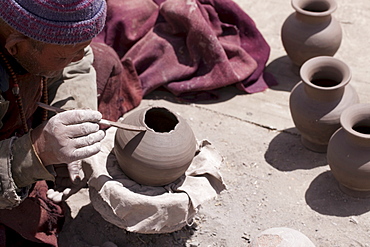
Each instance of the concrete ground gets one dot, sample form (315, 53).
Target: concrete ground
(272, 180)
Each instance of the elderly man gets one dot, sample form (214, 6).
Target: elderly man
(44, 56)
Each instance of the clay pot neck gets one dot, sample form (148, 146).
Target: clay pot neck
(325, 77)
(356, 122)
(324, 93)
(314, 11)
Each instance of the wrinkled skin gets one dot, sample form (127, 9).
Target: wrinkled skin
(46, 60)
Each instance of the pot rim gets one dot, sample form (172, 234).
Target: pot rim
(144, 118)
(354, 115)
(313, 65)
(298, 5)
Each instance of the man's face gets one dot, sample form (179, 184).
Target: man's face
(51, 59)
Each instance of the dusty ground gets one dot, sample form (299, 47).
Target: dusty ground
(272, 180)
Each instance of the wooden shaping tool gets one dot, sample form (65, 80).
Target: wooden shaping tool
(102, 121)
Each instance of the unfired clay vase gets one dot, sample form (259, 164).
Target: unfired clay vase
(317, 102)
(349, 151)
(159, 155)
(311, 30)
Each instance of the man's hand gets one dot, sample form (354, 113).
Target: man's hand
(70, 178)
(68, 136)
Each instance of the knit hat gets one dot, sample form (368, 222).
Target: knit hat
(55, 21)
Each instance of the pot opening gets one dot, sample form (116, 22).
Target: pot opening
(362, 127)
(324, 82)
(327, 77)
(160, 120)
(317, 6)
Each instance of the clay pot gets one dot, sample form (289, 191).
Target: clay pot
(281, 237)
(159, 155)
(311, 30)
(349, 151)
(317, 102)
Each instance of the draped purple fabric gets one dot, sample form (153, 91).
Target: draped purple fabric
(188, 46)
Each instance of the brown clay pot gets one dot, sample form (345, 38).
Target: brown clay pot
(317, 102)
(349, 151)
(281, 237)
(311, 30)
(159, 155)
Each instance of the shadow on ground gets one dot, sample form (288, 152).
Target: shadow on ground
(286, 153)
(88, 229)
(325, 197)
(285, 72)
(206, 97)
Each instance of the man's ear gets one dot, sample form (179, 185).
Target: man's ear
(13, 41)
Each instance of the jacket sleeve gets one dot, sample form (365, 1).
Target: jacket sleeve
(20, 167)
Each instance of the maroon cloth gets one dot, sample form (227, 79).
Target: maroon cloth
(37, 219)
(188, 46)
